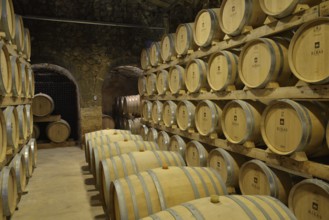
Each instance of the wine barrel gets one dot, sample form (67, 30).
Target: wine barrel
(142, 85)
(288, 126)
(169, 113)
(234, 16)
(162, 85)
(196, 76)
(19, 165)
(152, 135)
(6, 72)
(308, 52)
(263, 61)
(16, 76)
(27, 44)
(282, 9)
(207, 118)
(309, 199)
(163, 140)
(34, 149)
(9, 194)
(134, 125)
(178, 145)
(222, 71)
(241, 121)
(185, 115)
(11, 118)
(156, 112)
(227, 165)
(131, 105)
(132, 163)
(176, 79)
(42, 105)
(36, 131)
(155, 191)
(19, 33)
(195, 154)
(107, 122)
(151, 84)
(108, 150)
(143, 132)
(29, 116)
(7, 21)
(145, 58)
(24, 71)
(233, 207)
(206, 27)
(184, 41)
(3, 137)
(22, 122)
(155, 54)
(31, 83)
(255, 178)
(147, 110)
(27, 153)
(58, 131)
(168, 47)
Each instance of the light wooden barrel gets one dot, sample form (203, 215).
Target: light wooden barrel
(184, 41)
(145, 58)
(155, 191)
(9, 194)
(241, 121)
(207, 118)
(168, 47)
(131, 105)
(162, 84)
(7, 23)
(27, 44)
(42, 105)
(308, 52)
(309, 199)
(227, 165)
(163, 140)
(31, 83)
(222, 71)
(263, 61)
(282, 9)
(6, 70)
(233, 207)
(36, 131)
(107, 122)
(29, 116)
(206, 27)
(58, 131)
(169, 113)
(11, 118)
(108, 150)
(178, 145)
(156, 112)
(19, 165)
(195, 154)
(155, 54)
(196, 76)
(151, 84)
(19, 33)
(255, 178)
(16, 76)
(27, 153)
(22, 122)
(34, 149)
(288, 126)
(185, 115)
(3, 137)
(24, 71)
(176, 79)
(134, 125)
(152, 135)
(142, 85)
(143, 132)
(235, 15)
(129, 164)
(147, 110)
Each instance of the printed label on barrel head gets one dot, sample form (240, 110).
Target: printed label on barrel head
(314, 209)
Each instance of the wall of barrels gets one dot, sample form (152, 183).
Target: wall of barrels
(18, 151)
(243, 89)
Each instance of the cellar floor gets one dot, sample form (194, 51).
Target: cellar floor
(61, 188)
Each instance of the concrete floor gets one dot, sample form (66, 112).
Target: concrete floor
(61, 188)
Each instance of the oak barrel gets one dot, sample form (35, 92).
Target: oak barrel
(142, 85)
(235, 15)
(152, 135)
(309, 199)
(58, 131)
(134, 125)
(16, 76)
(155, 191)
(27, 44)
(184, 41)
(24, 71)
(19, 165)
(156, 112)
(255, 178)
(178, 145)
(196, 154)
(168, 47)
(107, 122)
(27, 153)
(94, 134)
(288, 126)
(42, 105)
(132, 163)
(31, 83)
(145, 58)
(6, 72)
(9, 194)
(143, 132)
(22, 122)
(185, 115)
(7, 21)
(162, 85)
(196, 76)
(234, 207)
(155, 54)
(151, 84)
(131, 105)
(163, 140)
(36, 131)
(34, 148)
(176, 79)
(169, 113)
(3, 137)
(147, 110)
(19, 33)
(206, 27)
(12, 127)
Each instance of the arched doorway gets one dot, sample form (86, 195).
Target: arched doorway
(59, 83)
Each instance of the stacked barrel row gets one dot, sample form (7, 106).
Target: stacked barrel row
(307, 198)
